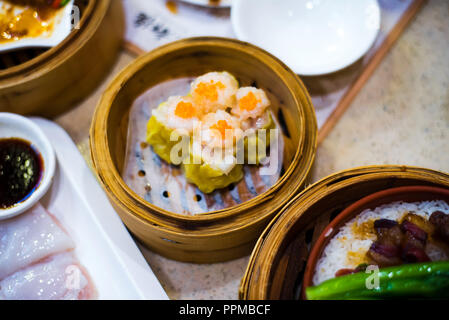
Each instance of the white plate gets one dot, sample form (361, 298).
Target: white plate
(206, 3)
(61, 29)
(312, 37)
(103, 245)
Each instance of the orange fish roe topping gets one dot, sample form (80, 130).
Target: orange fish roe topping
(221, 126)
(209, 91)
(185, 110)
(248, 102)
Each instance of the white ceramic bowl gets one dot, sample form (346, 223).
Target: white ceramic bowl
(312, 37)
(15, 126)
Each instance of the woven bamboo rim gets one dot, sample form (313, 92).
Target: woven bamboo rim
(37, 81)
(278, 259)
(213, 236)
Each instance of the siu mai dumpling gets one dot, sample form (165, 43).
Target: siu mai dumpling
(213, 164)
(210, 172)
(214, 91)
(252, 110)
(250, 103)
(178, 116)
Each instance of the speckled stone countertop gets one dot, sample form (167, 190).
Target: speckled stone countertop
(401, 116)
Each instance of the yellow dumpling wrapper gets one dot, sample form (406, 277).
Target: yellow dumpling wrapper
(209, 173)
(158, 136)
(209, 179)
(252, 142)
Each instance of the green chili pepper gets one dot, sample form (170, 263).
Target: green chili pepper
(420, 280)
(431, 286)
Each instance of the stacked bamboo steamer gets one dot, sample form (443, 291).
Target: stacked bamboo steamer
(278, 261)
(220, 235)
(48, 82)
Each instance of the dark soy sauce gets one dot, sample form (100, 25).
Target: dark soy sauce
(21, 168)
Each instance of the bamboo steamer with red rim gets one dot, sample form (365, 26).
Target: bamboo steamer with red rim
(47, 82)
(278, 263)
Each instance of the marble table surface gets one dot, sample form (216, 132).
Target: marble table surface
(401, 116)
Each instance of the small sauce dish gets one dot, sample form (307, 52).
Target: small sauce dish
(27, 164)
(313, 37)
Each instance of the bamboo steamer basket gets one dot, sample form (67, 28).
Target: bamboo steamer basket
(48, 82)
(214, 236)
(277, 264)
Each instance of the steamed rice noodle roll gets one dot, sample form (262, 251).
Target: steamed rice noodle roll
(251, 109)
(214, 91)
(171, 122)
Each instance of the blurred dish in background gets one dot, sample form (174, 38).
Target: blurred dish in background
(312, 37)
(210, 3)
(34, 23)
